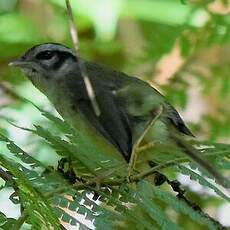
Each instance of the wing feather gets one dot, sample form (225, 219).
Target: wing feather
(112, 123)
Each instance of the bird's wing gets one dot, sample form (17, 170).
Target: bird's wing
(126, 105)
(142, 100)
(112, 122)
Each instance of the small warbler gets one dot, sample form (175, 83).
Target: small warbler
(131, 111)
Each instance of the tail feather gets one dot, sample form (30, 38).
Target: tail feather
(177, 121)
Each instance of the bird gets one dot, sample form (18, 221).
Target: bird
(132, 112)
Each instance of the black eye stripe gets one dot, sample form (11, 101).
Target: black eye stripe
(54, 63)
(45, 55)
(62, 57)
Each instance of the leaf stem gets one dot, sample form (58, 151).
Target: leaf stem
(112, 182)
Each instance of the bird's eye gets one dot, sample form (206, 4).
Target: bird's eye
(45, 55)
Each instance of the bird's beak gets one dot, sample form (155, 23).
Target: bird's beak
(21, 64)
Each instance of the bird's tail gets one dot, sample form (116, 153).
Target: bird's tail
(194, 154)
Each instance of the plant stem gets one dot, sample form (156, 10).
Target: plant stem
(82, 67)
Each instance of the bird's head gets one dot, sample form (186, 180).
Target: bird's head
(45, 63)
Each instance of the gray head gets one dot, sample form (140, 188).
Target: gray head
(45, 62)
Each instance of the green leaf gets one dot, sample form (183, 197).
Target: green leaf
(76, 201)
(6, 223)
(20, 153)
(155, 211)
(31, 198)
(177, 205)
(201, 180)
(223, 163)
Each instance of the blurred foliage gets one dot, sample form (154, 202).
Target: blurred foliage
(181, 47)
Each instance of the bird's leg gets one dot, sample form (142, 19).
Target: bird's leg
(133, 157)
(145, 147)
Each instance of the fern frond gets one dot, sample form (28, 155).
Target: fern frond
(20, 153)
(144, 200)
(85, 158)
(176, 204)
(201, 180)
(31, 198)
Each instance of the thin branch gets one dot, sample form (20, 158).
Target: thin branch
(120, 181)
(111, 182)
(140, 176)
(82, 67)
